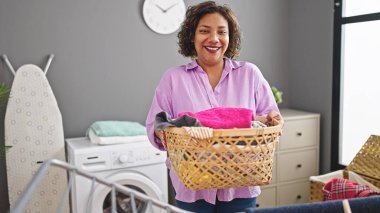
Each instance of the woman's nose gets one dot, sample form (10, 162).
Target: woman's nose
(214, 37)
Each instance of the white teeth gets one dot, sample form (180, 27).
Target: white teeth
(212, 48)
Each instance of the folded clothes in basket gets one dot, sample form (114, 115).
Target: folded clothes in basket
(163, 120)
(340, 188)
(258, 124)
(223, 117)
(217, 118)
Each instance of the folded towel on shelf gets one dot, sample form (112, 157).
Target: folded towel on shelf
(117, 128)
(115, 139)
(223, 117)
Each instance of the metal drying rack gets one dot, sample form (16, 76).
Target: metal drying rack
(73, 171)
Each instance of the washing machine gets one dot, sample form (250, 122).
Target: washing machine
(136, 165)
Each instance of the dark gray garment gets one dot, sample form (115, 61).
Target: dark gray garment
(163, 120)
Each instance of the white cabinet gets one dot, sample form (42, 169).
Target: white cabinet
(296, 159)
(267, 197)
(292, 193)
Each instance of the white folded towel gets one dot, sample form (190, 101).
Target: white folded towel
(115, 139)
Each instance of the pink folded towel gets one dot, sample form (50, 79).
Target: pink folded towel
(223, 117)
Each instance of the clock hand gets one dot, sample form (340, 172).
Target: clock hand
(162, 9)
(170, 7)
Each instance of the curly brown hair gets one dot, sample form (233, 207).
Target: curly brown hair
(194, 14)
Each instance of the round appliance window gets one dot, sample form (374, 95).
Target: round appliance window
(101, 198)
(123, 202)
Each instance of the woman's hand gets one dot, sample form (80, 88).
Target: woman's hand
(274, 117)
(270, 119)
(160, 135)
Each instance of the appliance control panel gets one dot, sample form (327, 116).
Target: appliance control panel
(136, 157)
(93, 158)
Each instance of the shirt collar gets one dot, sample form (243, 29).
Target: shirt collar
(192, 65)
(229, 65)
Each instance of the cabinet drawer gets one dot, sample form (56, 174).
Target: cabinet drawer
(295, 165)
(299, 133)
(267, 198)
(294, 193)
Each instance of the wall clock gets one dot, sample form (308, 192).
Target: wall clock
(164, 16)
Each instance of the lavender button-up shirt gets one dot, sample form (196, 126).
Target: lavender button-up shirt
(187, 88)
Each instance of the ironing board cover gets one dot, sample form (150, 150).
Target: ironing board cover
(34, 130)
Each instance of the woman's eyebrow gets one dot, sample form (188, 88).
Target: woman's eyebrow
(219, 27)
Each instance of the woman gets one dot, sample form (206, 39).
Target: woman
(210, 35)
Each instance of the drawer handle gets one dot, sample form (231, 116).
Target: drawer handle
(299, 197)
(257, 205)
(299, 133)
(299, 165)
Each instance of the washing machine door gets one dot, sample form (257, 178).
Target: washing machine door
(101, 201)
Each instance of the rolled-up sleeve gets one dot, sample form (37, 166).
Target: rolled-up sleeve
(264, 98)
(161, 102)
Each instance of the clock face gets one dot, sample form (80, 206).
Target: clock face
(164, 16)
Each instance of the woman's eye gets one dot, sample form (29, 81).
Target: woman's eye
(203, 31)
(223, 32)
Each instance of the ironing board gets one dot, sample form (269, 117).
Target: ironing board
(34, 131)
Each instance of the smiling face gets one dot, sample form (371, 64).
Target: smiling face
(211, 39)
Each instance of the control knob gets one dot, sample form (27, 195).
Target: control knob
(123, 158)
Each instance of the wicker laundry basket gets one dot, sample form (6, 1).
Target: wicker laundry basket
(366, 163)
(230, 158)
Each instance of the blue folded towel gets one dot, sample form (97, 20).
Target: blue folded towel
(117, 128)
